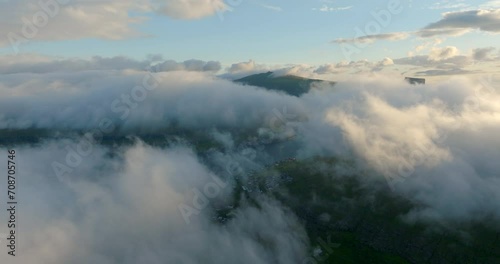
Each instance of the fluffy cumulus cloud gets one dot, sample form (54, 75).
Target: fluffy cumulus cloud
(481, 54)
(484, 20)
(454, 23)
(425, 61)
(242, 67)
(327, 68)
(47, 20)
(190, 9)
(303, 70)
(32, 63)
(130, 98)
(429, 33)
(245, 68)
(324, 72)
(386, 62)
(28, 20)
(438, 54)
(340, 69)
(433, 143)
(450, 60)
(457, 23)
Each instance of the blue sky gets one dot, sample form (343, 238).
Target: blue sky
(276, 32)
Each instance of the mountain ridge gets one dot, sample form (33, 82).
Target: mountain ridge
(290, 84)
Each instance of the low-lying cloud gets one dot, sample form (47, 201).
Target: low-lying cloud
(435, 144)
(125, 210)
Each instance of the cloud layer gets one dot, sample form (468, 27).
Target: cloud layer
(484, 20)
(454, 23)
(435, 144)
(127, 212)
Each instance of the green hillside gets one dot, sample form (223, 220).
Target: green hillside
(293, 85)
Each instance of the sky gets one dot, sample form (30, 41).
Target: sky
(274, 33)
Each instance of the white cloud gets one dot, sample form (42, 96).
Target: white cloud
(245, 68)
(439, 54)
(189, 65)
(450, 5)
(32, 63)
(482, 54)
(455, 23)
(382, 122)
(271, 7)
(177, 98)
(52, 20)
(434, 141)
(49, 20)
(190, 9)
(126, 210)
(326, 8)
(372, 38)
(484, 20)
(495, 4)
(328, 68)
(383, 64)
(449, 61)
(242, 67)
(302, 70)
(387, 62)
(454, 32)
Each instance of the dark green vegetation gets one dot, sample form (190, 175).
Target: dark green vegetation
(289, 84)
(362, 222)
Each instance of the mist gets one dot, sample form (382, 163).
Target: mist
(436, 145)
